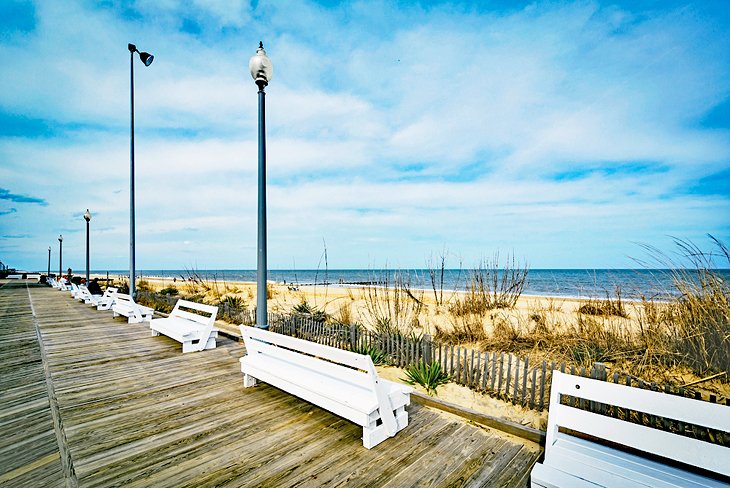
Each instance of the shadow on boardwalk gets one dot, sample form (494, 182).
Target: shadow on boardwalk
(93, 401)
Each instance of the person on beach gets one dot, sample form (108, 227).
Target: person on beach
(94, 287)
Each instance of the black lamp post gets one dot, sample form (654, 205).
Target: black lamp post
(146, 59)
(87, 218)
(60, 256)
(49, 261)
(261, 71)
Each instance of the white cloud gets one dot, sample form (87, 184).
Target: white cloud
(392, 130)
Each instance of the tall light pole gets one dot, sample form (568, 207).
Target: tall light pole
(261, 71)
(49, 261)
(60, 256)
(87, 218)
(146, 59)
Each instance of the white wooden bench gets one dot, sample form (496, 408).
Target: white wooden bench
(196, 332)
(75, 291)
(575, 461)
(135, 313)
(107, 300)
(343, 382)
(84, 295)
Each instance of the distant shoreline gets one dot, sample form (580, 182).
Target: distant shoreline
(634, 284)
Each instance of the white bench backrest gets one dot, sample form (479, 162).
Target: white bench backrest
(110, 292)
(124, 298)
(712, 457)
(211, 310)
(260, 341)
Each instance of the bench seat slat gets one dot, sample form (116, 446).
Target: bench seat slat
(358, 396)
(311, 389)
(616, 468)
(174, 327)
(546, 476)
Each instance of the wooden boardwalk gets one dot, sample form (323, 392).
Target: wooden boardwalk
(87, 400)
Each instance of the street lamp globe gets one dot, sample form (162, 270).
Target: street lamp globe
(260, 67)
(87, 215)
(60, 238)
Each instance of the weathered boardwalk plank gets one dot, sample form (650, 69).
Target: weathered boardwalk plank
(29, 454)
(135, 411)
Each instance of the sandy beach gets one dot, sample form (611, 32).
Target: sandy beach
(349, 303)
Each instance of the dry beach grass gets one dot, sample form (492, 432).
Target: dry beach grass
(680, 341)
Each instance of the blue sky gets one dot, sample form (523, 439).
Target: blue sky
(562, 132)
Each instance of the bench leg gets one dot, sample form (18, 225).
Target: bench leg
(401, 418)
(211, 343)
(248, 381)
(374, 434)
(188, 347)
(154, 333)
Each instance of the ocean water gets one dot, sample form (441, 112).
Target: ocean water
(592, 283)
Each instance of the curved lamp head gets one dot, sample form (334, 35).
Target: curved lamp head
(49, 248)
(260, 67)
(146, 58)
(87, 215)
(60, 238)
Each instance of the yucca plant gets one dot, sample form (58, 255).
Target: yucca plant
(430, 376)
(375, 354)
(311, 312)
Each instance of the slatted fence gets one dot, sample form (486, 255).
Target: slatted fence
(506, 376)
(502, 375)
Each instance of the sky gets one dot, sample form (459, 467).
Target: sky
(567, 134)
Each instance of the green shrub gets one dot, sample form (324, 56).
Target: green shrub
(235, 302)
(306, 310)
(375, 354)
(170, 290)
(429, 376)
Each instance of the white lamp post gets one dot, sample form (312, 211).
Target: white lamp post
(60, 256)
(262, 72)
(87, 218)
